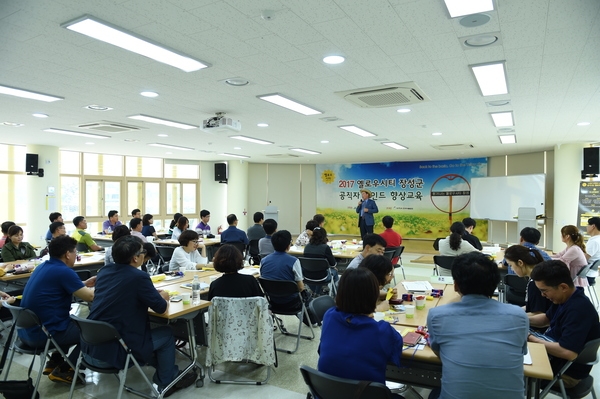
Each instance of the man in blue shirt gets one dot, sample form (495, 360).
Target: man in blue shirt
(530, 238)
(232, 233)
(265, 246)
(481, 341)
(109, 225)
(365, 209)
(54, 217)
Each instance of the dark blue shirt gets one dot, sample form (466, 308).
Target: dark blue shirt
(148, 230)
(233, 234)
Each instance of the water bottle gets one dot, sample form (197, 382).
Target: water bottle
(196, 291)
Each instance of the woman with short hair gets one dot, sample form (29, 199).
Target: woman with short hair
(228, 260)
(186, 256)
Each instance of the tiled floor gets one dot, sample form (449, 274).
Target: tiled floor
(285, 383)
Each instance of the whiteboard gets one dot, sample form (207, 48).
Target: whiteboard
(499, 198)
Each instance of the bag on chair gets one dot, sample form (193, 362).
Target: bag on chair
(15, 389)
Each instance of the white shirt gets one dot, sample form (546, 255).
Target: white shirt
(593, 249)
(445, 250)
(184, 260)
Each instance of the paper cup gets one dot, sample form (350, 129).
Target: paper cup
(186, 296)
(420, 302)
(378, 316)
(409, 311)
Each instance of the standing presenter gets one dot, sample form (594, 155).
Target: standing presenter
(366, 208)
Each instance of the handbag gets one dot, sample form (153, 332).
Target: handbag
(16, 389)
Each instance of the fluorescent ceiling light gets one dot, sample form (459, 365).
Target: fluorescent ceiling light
(458, 8)
(403, 110)
(11, 91)
(583, 124)
(436, 134)
(159, 121)
(503, 119)
(237, 148)
(111, 34)
(89, 143)
(491, 78)
(162, 135)
(38, 115)
(250, 139)
(262, 124)
(305, 151)
(508, 139)
(395, 146)
(149, 94)
(334, 59)
(71, 133)
(233, 155)
(356, 130)
(324, 141)
(290, 104)
(174, 147)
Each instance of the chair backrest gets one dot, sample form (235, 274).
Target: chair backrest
(516, 283)
(326, 386)
(253, 248)
(584, 271)
(445, 262)
(589, 354)
(278, 288)
(595, 265)
(320, 305)
(165, 252)
(399, 251)
(24, 318)
(314, 268)
(83, 274)
(82, 247)
(94, 332)
(389, 253)
(240, 246)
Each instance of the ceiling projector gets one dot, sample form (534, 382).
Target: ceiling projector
(220, 123)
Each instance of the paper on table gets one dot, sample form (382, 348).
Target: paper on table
(527, 358)
(419, 286)
(250, 271)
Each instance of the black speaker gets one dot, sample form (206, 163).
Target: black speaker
(31, 163)
(221, 172)
(591, 160)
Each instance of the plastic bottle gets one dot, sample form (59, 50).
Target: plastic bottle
(196, 291)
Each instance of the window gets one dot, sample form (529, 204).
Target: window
(102, 165)
(143, 167)
(69, 197)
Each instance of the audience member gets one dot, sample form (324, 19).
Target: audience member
(232, 234)
(174, 222)
(574, 255)
(365, 209)
(204, 219)
(383, 269)
(572, 320)
(57, 229)
(304, 237)
(109, 225)
(136, 213)
(468, 235)
(529, 237)
(256, 231)
(136, 229)
(54, 217)
(15, 248)
(5, 226)
(123, 296)
(373, 244)
(320, 219)
(147, 228)
(186, 256)
(318, 248)
(48, 293)
(265, 247)
(493, 368)
(593, 247)
(391, 238)
(454, 245)
(228, 260)
(120, 231)
(523, 260)
(83, 237)
(353, 345)
(183, 224)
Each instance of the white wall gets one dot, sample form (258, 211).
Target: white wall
(212, 196)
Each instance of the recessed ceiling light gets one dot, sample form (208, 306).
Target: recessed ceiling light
(108, 33)
(356, 130)
(72, 133)
(503, 119)
(162, 135)
(174, 147)
(305, 151)
(508, 139)
(37, 115)
(233, 155)
(251, 140)
(12, 124)
(159, 121)
(95, 107)
(458, 8)
(131, 140)
(334, 59)
(395, 146)
(481, 40)
(168, 152)
(236, 82)
(324, 141)
(498, 103)
(89, 143)
(583, 124)
(278, 99)
(436, 134)
(237, 148)
(403, 110)
(262, 124)
(491, 78)
(149, 94)
(12, 91)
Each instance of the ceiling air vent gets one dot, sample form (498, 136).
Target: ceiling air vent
(393, 95)
(453, 147)
(109, 127)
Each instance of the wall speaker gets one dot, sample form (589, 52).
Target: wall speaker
(591, 160)
(221, 172)
(31, 163)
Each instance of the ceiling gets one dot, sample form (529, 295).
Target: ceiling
(551, 49)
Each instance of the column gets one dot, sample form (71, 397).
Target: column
(237, 191)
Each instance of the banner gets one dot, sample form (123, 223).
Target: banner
(589, 202)
(424, 198)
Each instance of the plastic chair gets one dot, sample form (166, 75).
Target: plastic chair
(515, 289)
(82, 247)
(436, 243)
(228, 343)
(443, 264)
(320, 305)
(254, 252)
(95, 333)
(592, 282)
(317, 273)
(26, 318)
(392, 253)
(325, 386)
(166, 253)
(240, 246)
(279, 291)
(588, 356)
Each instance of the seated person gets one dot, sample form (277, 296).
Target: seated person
(304, 237)
(109, 225)
(522, 260)
(318, 248)
(468, 236)
(136, 213)
(183, 224)
(136, 227)
(383, 270)
(204, 219)
(15, 248)
(228, 260)
(83, 237)
(186, 256)
(265, 247)
(54, 217)
(120, 231)
(454, 245)
(150, 255)
(592, 248)
(174, 222)
(320, 219)
(147, 228)
(123, 296)
(572, 320)
(56, 229)
(256, 232)
(391, 238)
(232, 233)
(5, 226)
(48, 293)
(373, 244)
(574, 255)
(529, 237)
(480, 341)
(368, 345)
